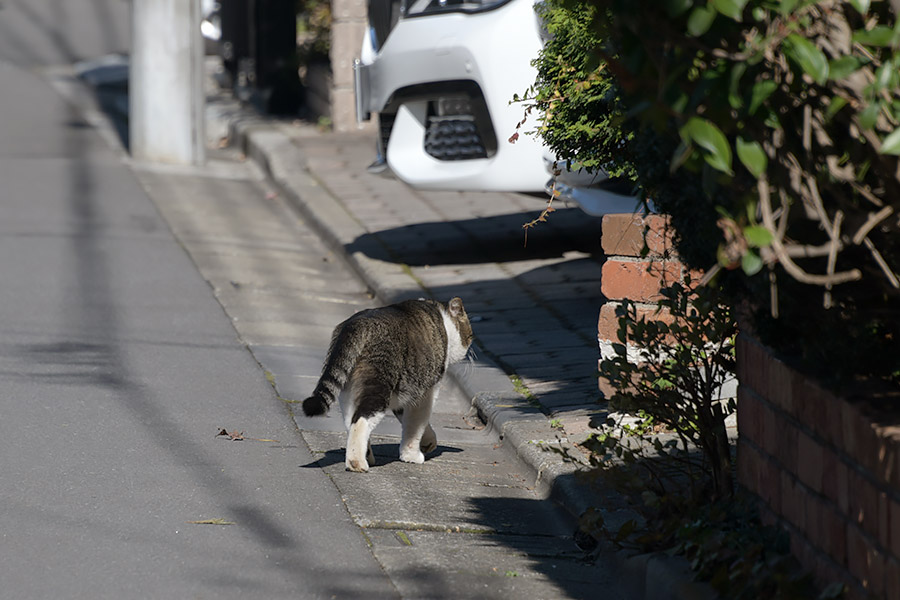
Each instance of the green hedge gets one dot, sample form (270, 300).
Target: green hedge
(769, 131)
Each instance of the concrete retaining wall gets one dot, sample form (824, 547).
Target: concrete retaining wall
(827, 469)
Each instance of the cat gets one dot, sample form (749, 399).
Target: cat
(391, 358)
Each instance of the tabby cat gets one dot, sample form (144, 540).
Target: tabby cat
(391, 358)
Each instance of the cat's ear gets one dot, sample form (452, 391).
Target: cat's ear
(455, 306)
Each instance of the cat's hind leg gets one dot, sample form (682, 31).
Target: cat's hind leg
(415, 427)
(364, 408)
(359, 451)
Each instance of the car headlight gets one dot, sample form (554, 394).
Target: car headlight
(417, 8)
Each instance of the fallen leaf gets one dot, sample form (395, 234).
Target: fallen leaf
(238, 436)
(231, 435)
(212, 522)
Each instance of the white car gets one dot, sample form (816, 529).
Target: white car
(441, 76)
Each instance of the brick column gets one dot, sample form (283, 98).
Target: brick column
(640, 259)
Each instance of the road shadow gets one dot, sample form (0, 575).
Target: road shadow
(567, 556)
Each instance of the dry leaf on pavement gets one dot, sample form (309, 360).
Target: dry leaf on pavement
(238, 436)
(211, 522)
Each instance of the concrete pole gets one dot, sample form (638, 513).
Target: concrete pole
(166, 98)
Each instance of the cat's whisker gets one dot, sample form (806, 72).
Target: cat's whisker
(468, 365)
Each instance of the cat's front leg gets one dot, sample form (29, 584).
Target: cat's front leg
(429, 440)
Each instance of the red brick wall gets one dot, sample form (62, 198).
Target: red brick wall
(626, 274)
(827, 470)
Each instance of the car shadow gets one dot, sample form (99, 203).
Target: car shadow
(491, 239)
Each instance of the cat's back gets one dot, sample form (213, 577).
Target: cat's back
(407, 322)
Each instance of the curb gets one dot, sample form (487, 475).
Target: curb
(522, 426)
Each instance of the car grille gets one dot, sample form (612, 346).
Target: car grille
(453, 138)
(458, 124)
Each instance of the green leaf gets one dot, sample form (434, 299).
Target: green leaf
(680, 103)
(680, 156)
(869, 115)
(758, 236)
(700, 20)
(730, 8)
(787, 6)
(760, 93)
(752, 156)
(880, 35)
(891, 144)
(678, 7)
(885, 76)
(808, 56)
(751, 263)
(709, 137)
(843, 67)
(837, 103)
(862, 6)
(734, 85)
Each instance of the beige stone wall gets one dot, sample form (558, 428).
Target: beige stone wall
(347, 29)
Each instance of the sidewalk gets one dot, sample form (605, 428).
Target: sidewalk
(534, 307)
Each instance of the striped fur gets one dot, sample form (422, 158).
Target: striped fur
(391, 359)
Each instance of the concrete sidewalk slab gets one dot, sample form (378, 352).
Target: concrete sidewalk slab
(534, 309)
(406, 243)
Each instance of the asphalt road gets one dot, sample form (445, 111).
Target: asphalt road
(117, 369)
(144, 309)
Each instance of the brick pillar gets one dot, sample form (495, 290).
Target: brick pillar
(631, 273)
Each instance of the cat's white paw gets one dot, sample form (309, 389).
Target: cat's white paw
(429, 441)
(412, 455)
(356, 465)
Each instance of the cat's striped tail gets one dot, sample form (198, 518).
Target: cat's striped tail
(342, 355)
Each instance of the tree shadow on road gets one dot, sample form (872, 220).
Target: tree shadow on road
(553, 548)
